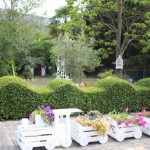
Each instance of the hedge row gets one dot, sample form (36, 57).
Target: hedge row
(18, 98)
(144, 82)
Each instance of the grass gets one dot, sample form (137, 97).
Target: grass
(43, 81)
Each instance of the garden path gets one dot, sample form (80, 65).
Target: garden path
(8, 135)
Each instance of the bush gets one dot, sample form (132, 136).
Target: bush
(27, 72)
(18, 98)
(106, 73)
(144, 82)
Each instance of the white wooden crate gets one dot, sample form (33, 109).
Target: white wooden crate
(120, 132)
(146, 128)
(49, 136)
(32, 136)
(84, 135)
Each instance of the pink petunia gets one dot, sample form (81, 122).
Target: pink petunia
(126, 109)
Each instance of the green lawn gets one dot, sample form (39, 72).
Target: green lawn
(42, 81)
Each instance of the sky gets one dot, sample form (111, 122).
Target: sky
(49, 7)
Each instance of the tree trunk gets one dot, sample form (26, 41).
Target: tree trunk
(118, 36)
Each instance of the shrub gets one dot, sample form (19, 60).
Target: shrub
(57, 83)
(144, 82)
(18, 98)
(106, 73)
(27, 72)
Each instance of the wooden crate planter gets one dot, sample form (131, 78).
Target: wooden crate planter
(31, 137)
(59, 134)
(146, 128)
(84, 135)
(120, 132)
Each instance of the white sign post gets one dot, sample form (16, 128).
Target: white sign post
(119, 63)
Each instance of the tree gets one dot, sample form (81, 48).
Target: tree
(62, 16)
(27, 72)
(124, 21)
(14, 31)
(78, 55)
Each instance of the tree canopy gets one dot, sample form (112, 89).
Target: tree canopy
(78, 55)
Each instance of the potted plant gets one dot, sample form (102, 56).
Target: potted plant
(42, 116)
(145, 115)
(93, 114)
(85, 130)
(124, 125)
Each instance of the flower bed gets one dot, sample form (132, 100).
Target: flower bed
(85, 130)
(123, 125)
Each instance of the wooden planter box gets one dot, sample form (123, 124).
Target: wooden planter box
(120, 132)
(146, 128)
(39, 135)
(31, 137)
(84, 135)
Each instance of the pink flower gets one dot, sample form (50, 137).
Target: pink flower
(127, 124)
(120, 121)
(126, 109)
(112, 127)
(144, 123)
(107, 120)
(144, 108)
(130, 122)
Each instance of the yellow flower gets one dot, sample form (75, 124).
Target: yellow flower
(99, 124)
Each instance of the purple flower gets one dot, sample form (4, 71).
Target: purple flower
(30, 115)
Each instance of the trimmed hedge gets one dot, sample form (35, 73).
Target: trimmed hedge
(18, 98)
(144, 82)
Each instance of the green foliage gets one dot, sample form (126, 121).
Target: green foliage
(18, 99)
(106, 73)
(27, 72)
(99, 19)
(78, 55)
(144, 82)
(17, 33)
(57, 83)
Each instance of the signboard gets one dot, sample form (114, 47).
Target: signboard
(119, 63)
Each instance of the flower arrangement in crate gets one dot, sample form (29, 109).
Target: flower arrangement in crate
(143, 113)
(145, 116)
(93, 114)
(126, 119)
(85, 130)
(42, 116)
(100, 124)
(124, 125)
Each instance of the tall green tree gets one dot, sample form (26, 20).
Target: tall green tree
(119, 22)
(62, 16)
(78, 55)
(15, 35)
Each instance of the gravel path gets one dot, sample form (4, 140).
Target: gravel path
(8, 135)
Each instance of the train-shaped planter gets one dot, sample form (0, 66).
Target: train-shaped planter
(146, 128)
(85, 135)
(120, 132)
(58, 134)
